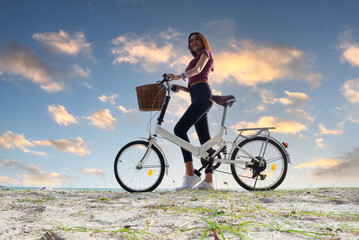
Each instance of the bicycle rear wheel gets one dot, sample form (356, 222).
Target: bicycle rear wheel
(133, 178)
(267, 176)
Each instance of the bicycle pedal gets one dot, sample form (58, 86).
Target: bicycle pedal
(198, 173)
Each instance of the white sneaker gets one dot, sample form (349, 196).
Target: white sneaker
(189, 182)
(204, 185)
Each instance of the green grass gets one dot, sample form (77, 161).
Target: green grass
(40, 200)
(226, 214)
(103, 199)
(287, 219)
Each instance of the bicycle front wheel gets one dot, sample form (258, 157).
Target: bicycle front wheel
(135, 178)
(265, 176)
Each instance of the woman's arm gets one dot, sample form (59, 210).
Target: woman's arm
(194, 71)
(199, 66)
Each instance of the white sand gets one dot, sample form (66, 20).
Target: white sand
(330, 213)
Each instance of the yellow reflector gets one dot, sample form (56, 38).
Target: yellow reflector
(273, 167)
(150, 172)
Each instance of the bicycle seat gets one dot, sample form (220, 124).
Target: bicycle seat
(223, 100)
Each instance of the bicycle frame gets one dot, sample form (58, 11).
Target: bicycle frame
(197, 151)
(201, 151)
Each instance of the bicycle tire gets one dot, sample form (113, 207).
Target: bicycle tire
(133, 179)
(276, 172)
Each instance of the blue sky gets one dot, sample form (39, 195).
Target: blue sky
(68, 72)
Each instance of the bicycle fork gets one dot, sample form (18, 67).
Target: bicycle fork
(152, 143)
(148, 150)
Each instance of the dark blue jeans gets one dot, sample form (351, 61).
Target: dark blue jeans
(196, 115)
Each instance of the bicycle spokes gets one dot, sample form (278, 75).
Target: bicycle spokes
(266, 171)
(136, 173)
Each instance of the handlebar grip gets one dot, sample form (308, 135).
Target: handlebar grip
(174, 89)
(165, 77)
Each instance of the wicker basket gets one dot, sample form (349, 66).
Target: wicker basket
(151, 97)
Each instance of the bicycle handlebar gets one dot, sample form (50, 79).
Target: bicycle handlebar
(166, 79)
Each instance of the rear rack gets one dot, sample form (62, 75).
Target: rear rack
(251, 136)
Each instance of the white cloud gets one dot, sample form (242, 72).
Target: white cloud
(297, 96)
(9, 163)
(87, 85)
(108, 99)
(350, 112)
(351, 55)
(295, 101)
(34, 175)
(185, 96)
(324, 131)
(346, 167)
(131, 113)
(353, 115)
(141, 51)
(61, 116)
(293, 98)
(169, 34)
(216, 92)
(350, 48)
(259, 108)
(314, 79)
(72, 145)
(319, 163)
(20, 60)
(10, 140)
(244, 62)
(251, 64)
(300, 113)
(153, 52)
(65, 43)
(320, 142)
(178, 64)
(269, 98)
(80, 72)
(179, 104)
(194, 135)
(38, 177)
(103, 119)
(281, 125)
(350, 90)
(5, 179)
(97, 172)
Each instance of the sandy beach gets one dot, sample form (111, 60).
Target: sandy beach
(327, 213)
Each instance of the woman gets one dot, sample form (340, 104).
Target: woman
(197, 72)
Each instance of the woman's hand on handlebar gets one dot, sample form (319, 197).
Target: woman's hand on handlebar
(174, 77)
(179, 87)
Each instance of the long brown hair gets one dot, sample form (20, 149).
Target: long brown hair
(204, 43)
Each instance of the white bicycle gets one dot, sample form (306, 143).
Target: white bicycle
(257, 161)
